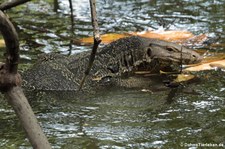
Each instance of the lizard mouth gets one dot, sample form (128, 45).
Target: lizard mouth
(174, 56)
(185, 59)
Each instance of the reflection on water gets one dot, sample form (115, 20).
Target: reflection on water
(122, 118)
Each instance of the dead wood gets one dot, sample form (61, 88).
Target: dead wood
(10, 82)
(97, 40)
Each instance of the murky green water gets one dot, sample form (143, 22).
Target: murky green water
(124, 118)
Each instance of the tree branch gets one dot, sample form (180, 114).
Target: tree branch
(12, 43)
(10, 82)
(23, 110)
(13, 3)
(97, 40)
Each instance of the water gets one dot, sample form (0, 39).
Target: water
(187, 117)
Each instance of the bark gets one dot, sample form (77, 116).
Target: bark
(27, 118)
(72, 27)
(10, 82)
(94, 20)
(12, 43)
(97, 40)
(13, 3)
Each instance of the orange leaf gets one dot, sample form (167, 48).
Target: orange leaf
(106, 38)
(184, 78)
(183, 37)
(207, 66)
(173, 36)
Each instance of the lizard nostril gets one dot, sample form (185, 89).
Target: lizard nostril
(194, 56)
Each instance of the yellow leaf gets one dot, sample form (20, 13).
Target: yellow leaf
(2, 43)
(173, 36)
(163, 72)
(106, 38)
(207, 66)
(218, 65)
(208, 63)
(183, 78)
(142, 72)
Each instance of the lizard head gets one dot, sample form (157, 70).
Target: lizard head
(172, 54)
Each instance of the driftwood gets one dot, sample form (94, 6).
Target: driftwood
(97, 40)
(13, 3)
(10, 82)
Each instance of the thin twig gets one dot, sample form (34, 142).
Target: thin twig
(72, 27)
(181, 60)
(71, 12)
(97, 40)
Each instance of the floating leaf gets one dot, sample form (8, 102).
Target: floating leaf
(173, 36)
(219, 64)
(184, 78)
(106, 38)
(209, 62)
(2, 43)
(207, 66)
(183, 37)
(167, 73)
(196, 40)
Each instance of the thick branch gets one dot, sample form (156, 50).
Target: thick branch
(27, 118)
(9, 84)
(97, 39)
(12, 43)
(13, 3)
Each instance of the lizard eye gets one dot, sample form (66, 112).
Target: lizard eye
(170, 49)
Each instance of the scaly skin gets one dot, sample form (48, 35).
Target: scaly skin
(114, 65)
